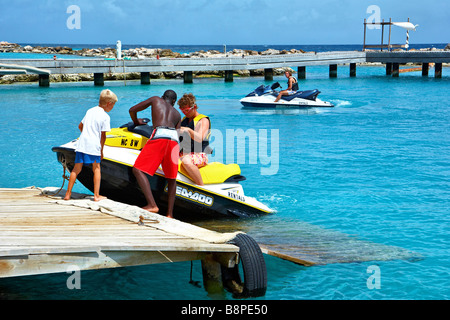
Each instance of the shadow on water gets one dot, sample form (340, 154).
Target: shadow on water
(308, 244)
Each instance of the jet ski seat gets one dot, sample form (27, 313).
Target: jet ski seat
(216, 172)
(307, 94)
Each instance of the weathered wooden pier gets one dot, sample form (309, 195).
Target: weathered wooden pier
(394, 59)
(39, 235)
(99, 67)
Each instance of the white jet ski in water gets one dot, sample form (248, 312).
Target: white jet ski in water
(221, 196)
(264, 97)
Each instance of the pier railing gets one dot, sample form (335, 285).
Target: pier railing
(188, 65)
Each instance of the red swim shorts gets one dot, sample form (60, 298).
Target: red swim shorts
(156, 152)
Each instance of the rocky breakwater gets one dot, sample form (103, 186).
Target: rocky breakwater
(136, 53)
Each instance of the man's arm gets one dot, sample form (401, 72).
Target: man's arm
(139, 107)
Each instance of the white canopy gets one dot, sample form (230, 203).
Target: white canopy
(405, 25)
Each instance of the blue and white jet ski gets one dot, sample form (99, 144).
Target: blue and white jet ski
(264, 97)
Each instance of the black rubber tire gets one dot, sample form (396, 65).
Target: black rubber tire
(253, 265)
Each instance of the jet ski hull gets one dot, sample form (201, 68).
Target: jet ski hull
(264, 97)
(192, 201)
(257, 102)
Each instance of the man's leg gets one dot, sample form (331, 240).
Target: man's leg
(171, 189)
(142, 180)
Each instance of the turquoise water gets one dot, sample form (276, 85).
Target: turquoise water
(365, 183)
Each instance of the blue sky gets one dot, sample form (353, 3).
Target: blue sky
(218, 21)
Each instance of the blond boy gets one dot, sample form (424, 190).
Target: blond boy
(93, 129)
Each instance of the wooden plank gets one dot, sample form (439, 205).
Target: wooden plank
(64, 262)
(39, 230)
(305, 262)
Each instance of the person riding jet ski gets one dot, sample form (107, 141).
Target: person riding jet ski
(292, 86)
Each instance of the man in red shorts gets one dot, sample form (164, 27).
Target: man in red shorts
(162, 147)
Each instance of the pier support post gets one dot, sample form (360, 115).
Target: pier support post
(301, 72)
(425, 67)
(438, 70)
(352, 69)
(187, 76)
(388, 68)
(99, 79)
(212, 275)
(44, 80)
(228, 75)
(333, 70)
(145, 77)
(268, 74)
(395, 69)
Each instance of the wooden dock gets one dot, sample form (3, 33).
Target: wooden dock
(40, 235)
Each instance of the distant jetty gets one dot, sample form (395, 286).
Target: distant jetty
(153, 54)
(136, 53)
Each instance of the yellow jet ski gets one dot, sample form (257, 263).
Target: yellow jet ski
(221, 195)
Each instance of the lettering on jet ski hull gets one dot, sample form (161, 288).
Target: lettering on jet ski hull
(193, 196)
(236, 196)
(131, 143)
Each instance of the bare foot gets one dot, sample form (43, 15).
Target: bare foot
(99, 198)
(67, 196)
(151, 209)
(169, 216)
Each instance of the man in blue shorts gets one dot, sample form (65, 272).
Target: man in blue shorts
(93, 129)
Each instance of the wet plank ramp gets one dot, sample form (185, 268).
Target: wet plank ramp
(39, 235)
(307, 244)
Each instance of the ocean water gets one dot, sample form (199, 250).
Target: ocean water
(364, 186)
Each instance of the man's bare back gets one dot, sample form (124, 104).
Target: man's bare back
(163, 112)
(163, 115)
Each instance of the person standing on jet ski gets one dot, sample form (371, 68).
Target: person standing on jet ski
(161, 149)
(194, 138)
(292, 86)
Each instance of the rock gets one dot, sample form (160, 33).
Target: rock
(447, 47)
(167, 53)
(270, 52)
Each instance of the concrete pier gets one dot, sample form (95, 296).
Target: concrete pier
(228, 75)
(395, 58)
(333, 71)
(99, 79)
(44, 80)
(145, 77)
(188, 65)
(187, 77)
(268, 74)
(425, 67)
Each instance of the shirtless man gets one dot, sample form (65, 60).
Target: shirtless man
(162, 147)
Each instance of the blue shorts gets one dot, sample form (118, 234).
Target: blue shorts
(85, 158)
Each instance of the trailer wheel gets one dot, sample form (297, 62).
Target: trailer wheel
(254, 270)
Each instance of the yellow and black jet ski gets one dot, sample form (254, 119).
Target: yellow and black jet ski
(221, 196)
